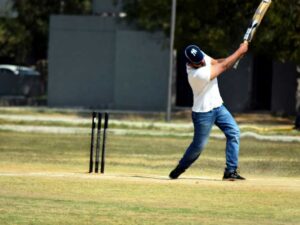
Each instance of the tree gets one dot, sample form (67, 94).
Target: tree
(196, 21)
(24, 39)
(218, 25)
(14, 41)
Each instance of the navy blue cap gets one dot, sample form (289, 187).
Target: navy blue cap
(193, 54)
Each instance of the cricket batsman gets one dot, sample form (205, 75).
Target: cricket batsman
(208, 109)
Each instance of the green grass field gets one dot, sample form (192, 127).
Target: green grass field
(44, 180)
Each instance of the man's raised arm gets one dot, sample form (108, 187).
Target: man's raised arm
(220, 65)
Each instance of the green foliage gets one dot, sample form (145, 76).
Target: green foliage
(14, 40)
(27, 35)
(218, 25)
(282, 35)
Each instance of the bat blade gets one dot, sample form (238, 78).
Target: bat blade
(255, 22)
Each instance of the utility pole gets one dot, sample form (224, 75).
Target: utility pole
(171, 67)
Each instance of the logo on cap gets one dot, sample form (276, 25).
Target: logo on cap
(194, 52)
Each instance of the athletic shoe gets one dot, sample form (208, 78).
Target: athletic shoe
(176, 172)
(232, 176)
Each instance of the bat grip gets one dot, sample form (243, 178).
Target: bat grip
(235, 66)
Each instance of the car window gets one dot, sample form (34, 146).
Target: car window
(6, 72)
(28, 72)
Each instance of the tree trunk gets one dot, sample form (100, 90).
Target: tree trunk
(297, 121)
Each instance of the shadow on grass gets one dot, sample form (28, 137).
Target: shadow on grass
(168, 179)
(154, 177)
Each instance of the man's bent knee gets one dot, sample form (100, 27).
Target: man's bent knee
(233, 134)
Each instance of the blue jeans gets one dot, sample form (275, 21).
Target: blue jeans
(203, 123)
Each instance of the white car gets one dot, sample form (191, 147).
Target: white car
(17, 70)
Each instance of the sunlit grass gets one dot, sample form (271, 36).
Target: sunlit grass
(44, 180)
(70, 152)
(27, 200)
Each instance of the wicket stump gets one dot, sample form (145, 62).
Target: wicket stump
(98, 121)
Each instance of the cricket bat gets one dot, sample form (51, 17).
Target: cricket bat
(255, 22)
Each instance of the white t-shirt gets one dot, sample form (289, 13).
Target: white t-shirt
(206, 92)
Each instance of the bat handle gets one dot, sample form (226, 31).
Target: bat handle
(235, 66)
